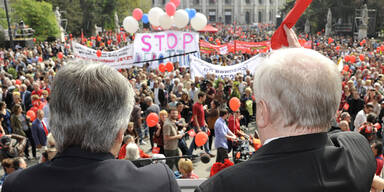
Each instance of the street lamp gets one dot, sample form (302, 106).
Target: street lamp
(9, 24)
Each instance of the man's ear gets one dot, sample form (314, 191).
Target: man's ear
(120, 136)
(262, 114)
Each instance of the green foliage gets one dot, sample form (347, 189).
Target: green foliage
(85, 14)
(38, 15)
(3, 19)
(125, 7)
(13, 72)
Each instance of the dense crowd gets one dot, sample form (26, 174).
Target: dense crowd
(182, 103)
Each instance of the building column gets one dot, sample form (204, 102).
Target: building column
(220, 15)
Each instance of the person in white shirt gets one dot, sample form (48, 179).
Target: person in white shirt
(361, 116)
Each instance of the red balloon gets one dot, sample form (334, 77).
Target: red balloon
(18, 82)
(218, 42)
(32, 115)
(60, 55)
(70, 35)
(169, 67)
(338, 48)
(176, 2)
(210, 38)
(330, 40)
(98, 53)
(162, 67)
(40, 59)
(234, 104)
(152, 119)
(34, 39)
(98, 38)
(201, 138)
(109, 42)
(361, 57)
(137, 14)
(353, 59)
(90, 44)
(347, 58)
(170, 8)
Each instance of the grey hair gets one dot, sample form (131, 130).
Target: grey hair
(132, 152)
(90, 103)
(300, 86)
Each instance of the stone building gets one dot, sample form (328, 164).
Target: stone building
(230, 11)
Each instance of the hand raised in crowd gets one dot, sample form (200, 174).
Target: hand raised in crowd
(292, 38)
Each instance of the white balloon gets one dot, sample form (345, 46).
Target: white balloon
(154, 15)
(181, 18)
(130, 24)
(199, 22)
(165, 21)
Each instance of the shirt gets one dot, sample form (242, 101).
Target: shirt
(198, 110)
(170, 129)
(359, 120)
(221, 130)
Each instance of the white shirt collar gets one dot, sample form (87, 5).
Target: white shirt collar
(271, 139)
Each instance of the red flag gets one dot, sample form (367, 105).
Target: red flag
(346, 106)
(191, 133)
(279, 38)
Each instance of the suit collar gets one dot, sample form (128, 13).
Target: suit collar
(294, 144)
(77, 152)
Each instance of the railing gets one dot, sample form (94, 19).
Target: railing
(189, 185)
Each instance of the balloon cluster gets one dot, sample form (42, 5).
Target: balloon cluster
(171, 17)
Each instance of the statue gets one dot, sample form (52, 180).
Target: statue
(364, 15)
(58, 19)
(117, 26)
(363, 28)
(307, 27)
(328, 26)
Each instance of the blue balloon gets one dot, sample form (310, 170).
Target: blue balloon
(145, 19)
(192, 13)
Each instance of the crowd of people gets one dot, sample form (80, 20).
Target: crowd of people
(181, 103)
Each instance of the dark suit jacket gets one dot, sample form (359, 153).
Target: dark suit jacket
(340, 162)
(38, 133)
(27, 99)
(79, 171)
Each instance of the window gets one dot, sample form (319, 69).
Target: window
(212, 15)
(260, 2)
(164, 2)
(247, 1)
(260, 17)
(227, 2)
(228, 16)
(247, 17)
(196, 2)
(212, 2)
(271, 2)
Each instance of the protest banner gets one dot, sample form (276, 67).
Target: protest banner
(201, 68)
(241, 46)
(152, 46)
(119, 59)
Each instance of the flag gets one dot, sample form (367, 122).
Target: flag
(279, 38)
(340, 65)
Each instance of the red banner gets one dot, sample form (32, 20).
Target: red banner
(238, 46)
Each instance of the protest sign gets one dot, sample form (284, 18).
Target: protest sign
(201, 68)
(122, 58)
(152, 46)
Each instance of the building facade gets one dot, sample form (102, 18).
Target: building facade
(230, 11)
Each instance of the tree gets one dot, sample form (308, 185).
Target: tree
(38, 15)
(125, 7)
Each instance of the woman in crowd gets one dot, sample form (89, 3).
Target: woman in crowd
(212, 114)
(131, 131)
(6, 116)
(188, 103)
(158, 138)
